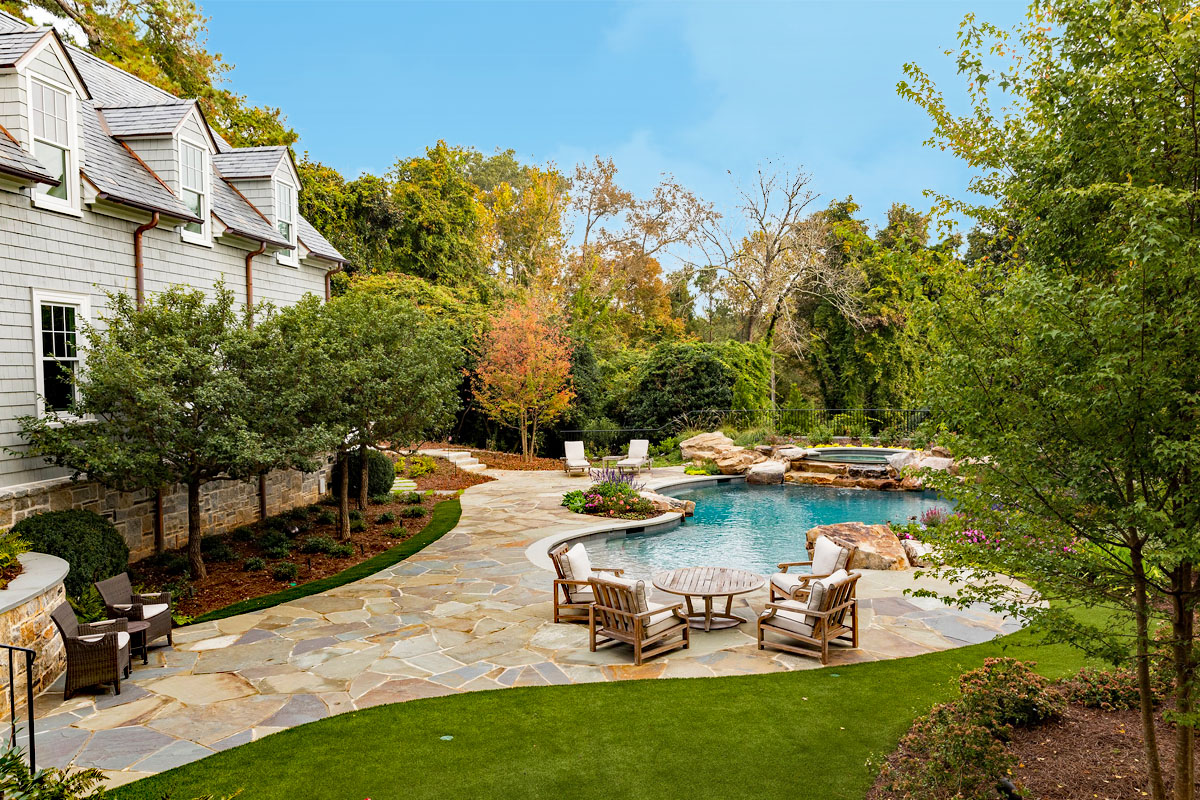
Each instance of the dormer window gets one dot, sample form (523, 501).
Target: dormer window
(52, 117)
(193, 180)
(285, 219)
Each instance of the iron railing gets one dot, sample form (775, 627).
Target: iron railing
(785, 421)
(30, 655)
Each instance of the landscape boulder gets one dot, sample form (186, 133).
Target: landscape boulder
(790, 453)
(766, 472)
(736, 460)
(937, 463)
(905, 458)
(878, 547)
(705, 446)
(918, 552)
(663, 504)
(940, 451)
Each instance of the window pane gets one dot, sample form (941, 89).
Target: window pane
(57, 388)
(54, 159)
(285, 230)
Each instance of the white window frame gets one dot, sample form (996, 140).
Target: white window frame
(204, 235)
(289, 257)
(71, 178)
(83, 309)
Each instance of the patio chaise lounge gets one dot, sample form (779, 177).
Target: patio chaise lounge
(623, 613)
(154, 609)
(637, 458)
(830, 613)
(575, 459)
(97, 652)
(827, 557)
(572, 592)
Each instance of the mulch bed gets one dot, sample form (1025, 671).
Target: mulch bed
(498, 460)
(1087, 753)
(228, 582)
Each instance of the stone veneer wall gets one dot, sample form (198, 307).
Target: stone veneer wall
(223, 504)
(25, 608)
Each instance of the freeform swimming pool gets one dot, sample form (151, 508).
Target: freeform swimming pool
(753, 527)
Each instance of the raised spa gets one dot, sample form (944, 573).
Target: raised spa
(753, 527)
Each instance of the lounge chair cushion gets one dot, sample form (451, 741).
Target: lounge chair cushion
(122, 638)
(641, 597)
(578, 565)
(580, 594)
(828, 556)
(148, 611)
(657, 623)
(817, 592)
(786, 582)
(792, 618)
(574, 463)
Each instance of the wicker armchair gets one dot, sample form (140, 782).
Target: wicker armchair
(97, 652)
(155, 609)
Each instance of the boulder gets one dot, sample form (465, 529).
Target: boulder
(938, 463)
(766, 472)
(767, 450)
(912, 483)
(940, 451)
(878, 547)
(663, 504)
(705, 446)
(790, 453)
(918, 552)
(905, 458)
(736, 460)
(826, 467)
(814, 478)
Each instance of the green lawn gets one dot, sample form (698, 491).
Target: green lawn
(795, 735)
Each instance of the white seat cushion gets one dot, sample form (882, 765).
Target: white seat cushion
(791, 618)
(122, 638)
(786, 582)
(631, 462)
(820, 587)
(154, 610)
(580, 594)
(657, 623)
(580, 564)
(826, 556)
(580, 463)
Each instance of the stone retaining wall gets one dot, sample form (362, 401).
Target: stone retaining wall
(224, 505)
(25, 607)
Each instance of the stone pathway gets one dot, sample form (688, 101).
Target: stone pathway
(469, 612)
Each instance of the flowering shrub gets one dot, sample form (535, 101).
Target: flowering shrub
(1007, 693)
(948, 754)
(707, 468)
(619, 499)
(932, 517)
(1110, 690)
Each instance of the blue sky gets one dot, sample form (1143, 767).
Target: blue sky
(705, 91)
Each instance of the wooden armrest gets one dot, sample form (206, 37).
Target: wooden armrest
(565, 582)
(648, 614)
(613, 570)
(784, 566)
(830, 612)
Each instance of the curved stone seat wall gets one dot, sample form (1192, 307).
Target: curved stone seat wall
(25, 606)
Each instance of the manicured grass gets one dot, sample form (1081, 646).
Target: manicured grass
(793, 735)
(444, 518)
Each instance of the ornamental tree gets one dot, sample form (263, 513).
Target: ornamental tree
(523, 375)
(1070, 370)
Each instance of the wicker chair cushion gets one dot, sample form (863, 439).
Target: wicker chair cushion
(657, 623)
(148, 611)
(792, 618)
(122, 638)
(785, 582)
(819, 589)
(828, 556)
(579, 566)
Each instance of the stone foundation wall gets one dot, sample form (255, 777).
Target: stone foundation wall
(25, 608)
(224, 505)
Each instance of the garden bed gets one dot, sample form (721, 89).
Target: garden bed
(447, 476)
(495, 459)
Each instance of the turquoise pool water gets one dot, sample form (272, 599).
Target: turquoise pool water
(754, 527)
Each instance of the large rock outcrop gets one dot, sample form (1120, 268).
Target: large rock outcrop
(737, 460)
(662, 504)
(878, 547)
(705, 446)
(766, 472)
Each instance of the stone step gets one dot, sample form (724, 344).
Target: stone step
(474, 467)
(458, 455)
(404, 485)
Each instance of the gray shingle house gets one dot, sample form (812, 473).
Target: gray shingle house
(108, 183)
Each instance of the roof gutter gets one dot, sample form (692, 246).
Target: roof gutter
(138, 270)
(250, 282)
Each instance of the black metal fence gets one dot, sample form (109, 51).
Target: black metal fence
(13, 707)
(900, 422)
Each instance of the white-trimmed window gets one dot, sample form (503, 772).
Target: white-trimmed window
(193, 180)
(285, 219)
(58, 347)
(52, 125)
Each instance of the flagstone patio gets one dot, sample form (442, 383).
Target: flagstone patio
(469, 612)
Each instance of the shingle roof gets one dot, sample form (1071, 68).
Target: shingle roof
(161, 119)
(250, 162)
(233, 210)
(317, 243)
(15, 161)
(14, 44)
(110, 86)
(120, 176)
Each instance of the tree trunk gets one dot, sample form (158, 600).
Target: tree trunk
(195, 558)
(364, 475)
(1183, 654)
(1158, 790)
(343, 496)
(160, 523)
(532, 440)
(524, 435)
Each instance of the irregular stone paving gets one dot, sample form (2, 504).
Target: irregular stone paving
(469, 612)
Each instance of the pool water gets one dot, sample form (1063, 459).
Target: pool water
(754, 527)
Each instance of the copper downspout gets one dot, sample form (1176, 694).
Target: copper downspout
(328, 287)
(250, 281)
(139, 277)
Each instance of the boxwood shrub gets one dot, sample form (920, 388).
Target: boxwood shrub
(84, 539)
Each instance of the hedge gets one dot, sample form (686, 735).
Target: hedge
(84, 539)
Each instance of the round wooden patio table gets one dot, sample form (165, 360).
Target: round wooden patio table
(709, 582)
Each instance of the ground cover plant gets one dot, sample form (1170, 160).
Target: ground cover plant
(612, 494)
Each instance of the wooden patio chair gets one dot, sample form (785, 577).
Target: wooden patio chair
(575, 459)
(572, 592)
(154, 609)
(97, 652)
(829, 614)
(623, 613)
(827, 557)
(637, 458)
